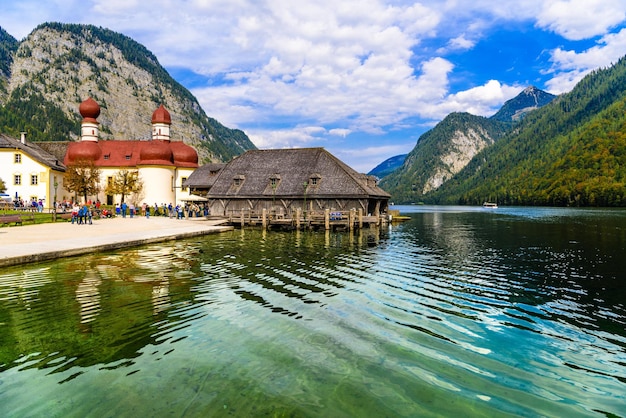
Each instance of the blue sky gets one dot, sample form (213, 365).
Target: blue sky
(362, 78)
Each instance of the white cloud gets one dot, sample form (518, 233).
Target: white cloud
(339, 132)
(569, 67)
(364, 159)
(483, 100)
(460, 42)
(581, 19)
(299, 136)
(325, 71)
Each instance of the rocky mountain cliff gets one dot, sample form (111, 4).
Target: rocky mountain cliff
(446, 149)
(47, 75)
(8, 46)
(441, 153)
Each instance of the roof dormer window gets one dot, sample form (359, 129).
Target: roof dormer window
(274, 180)
(238, 180)
(314, 180)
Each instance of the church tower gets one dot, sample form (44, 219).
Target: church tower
(89, 110)
(161, 121)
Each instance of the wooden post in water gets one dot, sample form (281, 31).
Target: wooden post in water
(327, 219)
(298, 218)
(360, 218)
(243, 221)
(264, 218)
(351, 216)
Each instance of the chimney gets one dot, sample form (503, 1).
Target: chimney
(23, 137)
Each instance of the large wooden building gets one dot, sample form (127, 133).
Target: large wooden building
(282, 181)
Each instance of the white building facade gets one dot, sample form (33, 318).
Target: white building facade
(30, 173)
(162, 164)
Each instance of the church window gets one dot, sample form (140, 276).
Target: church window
(34, 180)
(18, 158)
(17, 179)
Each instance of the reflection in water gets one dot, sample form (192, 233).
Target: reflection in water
(458, 312)
(88, 297)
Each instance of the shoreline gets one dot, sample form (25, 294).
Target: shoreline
(43, 242)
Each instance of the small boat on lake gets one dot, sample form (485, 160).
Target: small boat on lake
(490, 205)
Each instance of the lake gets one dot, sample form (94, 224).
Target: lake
(459, 311)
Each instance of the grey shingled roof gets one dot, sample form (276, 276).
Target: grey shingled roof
(56, 148)
(32, 150)
(293, 168)
(202, 176)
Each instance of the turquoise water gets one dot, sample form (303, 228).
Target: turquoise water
(457, 312)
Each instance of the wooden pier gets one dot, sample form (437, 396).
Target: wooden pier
(328, 220)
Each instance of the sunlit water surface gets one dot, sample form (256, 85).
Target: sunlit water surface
(457, 312)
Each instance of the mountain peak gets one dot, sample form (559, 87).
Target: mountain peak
(44, 77)
(529, 99)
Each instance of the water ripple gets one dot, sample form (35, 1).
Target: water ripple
(398, 324)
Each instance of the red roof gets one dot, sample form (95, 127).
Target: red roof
(184, 155)
(89, 110)
(161, 115)
(118, 153)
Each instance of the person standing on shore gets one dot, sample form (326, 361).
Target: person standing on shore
(147, 211)
(75, 210)
(124, 207)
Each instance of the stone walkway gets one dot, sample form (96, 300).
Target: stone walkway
(30, 243)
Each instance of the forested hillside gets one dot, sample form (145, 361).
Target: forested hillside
(44, 78)
(570, 152)
(8, 46)
(440, 153)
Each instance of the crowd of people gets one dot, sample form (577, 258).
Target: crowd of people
(34, 204)
(180, 211)
(85, 212)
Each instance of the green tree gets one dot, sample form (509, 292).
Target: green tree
(3, 186)
(125, 182)
(82, 178)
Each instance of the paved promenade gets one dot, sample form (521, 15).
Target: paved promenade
(30, 243)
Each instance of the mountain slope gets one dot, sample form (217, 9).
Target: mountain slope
(388, 166)
(528, 100)
(8, 46)
(570, 152)
(446, 149)
(441, 153)
(58, 65)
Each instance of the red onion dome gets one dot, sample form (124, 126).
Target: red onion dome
(161, 115)
(83, 150)
(155, 152)
(89, 110)
(184, 154)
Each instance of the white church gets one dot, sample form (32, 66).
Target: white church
(32, 173)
